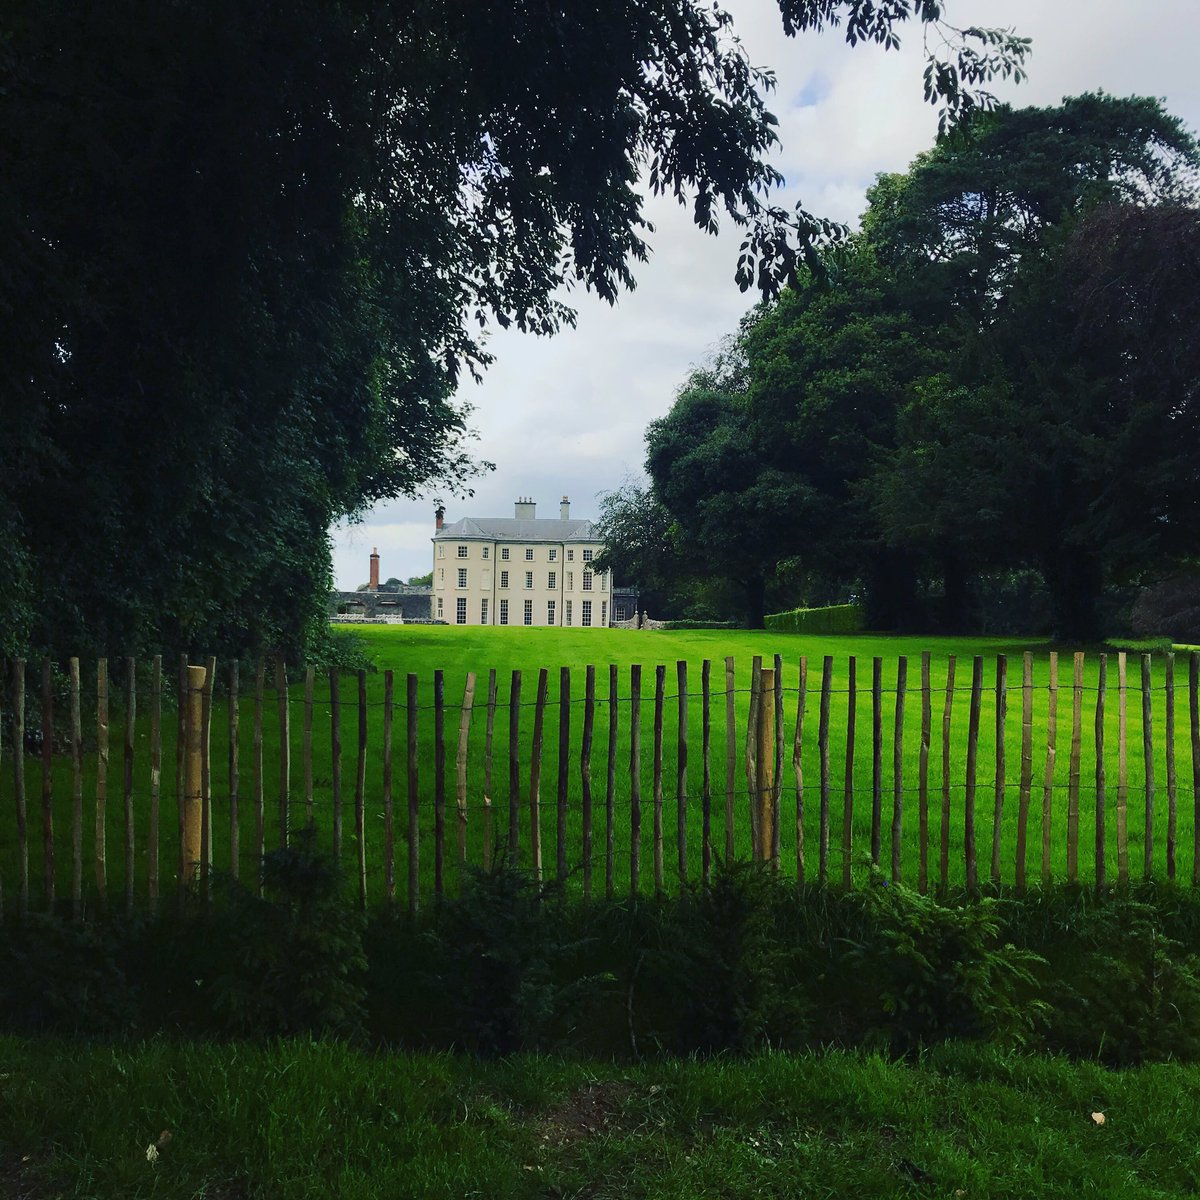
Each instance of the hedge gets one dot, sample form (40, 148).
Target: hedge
(837, 618)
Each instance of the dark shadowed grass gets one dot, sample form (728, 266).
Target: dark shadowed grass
(319, 1120)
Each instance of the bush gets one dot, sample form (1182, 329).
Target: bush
(1170, 608)
(499, 963)
(837, 618)
(689, 624)
(292, 960)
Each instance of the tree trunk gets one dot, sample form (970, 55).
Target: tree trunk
(1076, 581)
(756, 600)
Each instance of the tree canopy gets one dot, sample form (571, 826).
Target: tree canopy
(996, 374)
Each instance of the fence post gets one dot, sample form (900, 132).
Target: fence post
(765, 773)
(193, 790)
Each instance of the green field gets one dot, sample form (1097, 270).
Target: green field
(313, 1121)
(423, 649)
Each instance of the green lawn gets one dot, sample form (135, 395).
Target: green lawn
(424, 649)
(306, 1121)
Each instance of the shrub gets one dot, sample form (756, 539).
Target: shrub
(690, 624)
(293, 960)
(837, 618)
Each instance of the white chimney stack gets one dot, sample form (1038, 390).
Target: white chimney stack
(564, 509)
(526, 509)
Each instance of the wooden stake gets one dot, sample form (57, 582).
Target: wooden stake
(1051, 756)
(706, 779)
(564, 774)
(1148, 760)
(460, 764)
(155, 779)
(389, 817)
(260, 821)
(18, 746)
(1169, 739)
(1101, 833)
(514, 767)
(439, 782)
(193, 788)
(730, 756)
(1122, 774)
(681, 762)
(76, 796)
(285, 748)
(1073, 773)
(798, 767)
(848, 782)
(360, 794)
(947, 712)
(335, 737)
(766, 764)
(235, 836)
(635, 777)
(750, 761)
(1194, 713)
(876, 759)
(585, 774)
(777, 786)
(898, 769)
(101, 825)
(182, 869)
(1026, 765)
(972, 760)
(1001, 762)
(48, 785)
(206, 833)
(411, 714)
(923, 778)
(309, 681)
(823, 752)
(535, 777)
(488, 740)
(610, 786)
(660, 675)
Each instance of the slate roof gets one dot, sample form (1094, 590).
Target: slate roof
(518, 529)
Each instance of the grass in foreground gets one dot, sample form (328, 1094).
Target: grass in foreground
(315, 1120)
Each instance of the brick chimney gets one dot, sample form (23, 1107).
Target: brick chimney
(564, 509)
(373, 586)
(439, 516)
(526, 509)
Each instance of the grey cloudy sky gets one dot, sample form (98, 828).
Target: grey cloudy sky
(567, 414)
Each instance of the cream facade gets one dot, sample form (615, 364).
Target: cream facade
(520, 570)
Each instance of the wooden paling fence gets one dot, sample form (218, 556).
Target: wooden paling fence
(777, 804)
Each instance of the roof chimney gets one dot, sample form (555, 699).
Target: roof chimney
(439, 516)
(564, 509)
(526, 509)
(374, 584)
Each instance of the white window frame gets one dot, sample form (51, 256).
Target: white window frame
(463, 551)
(460, 611)
(603, 614)
(567, 612)
(439, 608)
(585, 615)
(570, 581)
(504, 554)
(528, 614)
(587, 581)
(550, 613)
(483, 611)
(552, 580)
(528, 580)
(570, 556)
(503, 612)
(441, 550)
(504, 579)
(553, 554)
(487, 552)
(462, 577)
(529, 554)
(587, 556)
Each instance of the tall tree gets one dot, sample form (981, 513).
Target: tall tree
(245, 242)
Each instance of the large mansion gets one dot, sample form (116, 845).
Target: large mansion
(523, 570)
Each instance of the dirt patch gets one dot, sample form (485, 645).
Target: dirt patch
(586, 1112)
(20, 1181)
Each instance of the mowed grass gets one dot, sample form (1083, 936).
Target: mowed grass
(307, 1120)
(422, 650)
